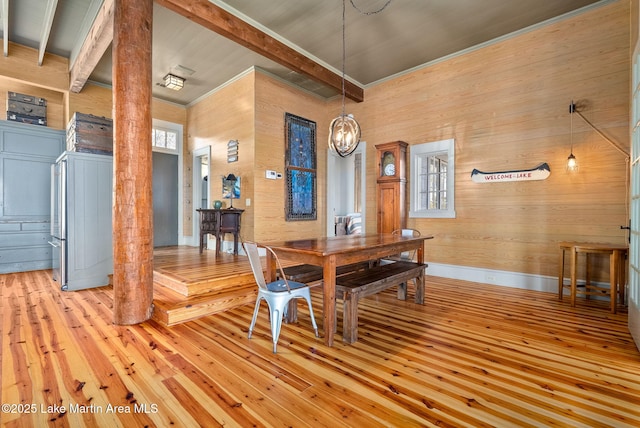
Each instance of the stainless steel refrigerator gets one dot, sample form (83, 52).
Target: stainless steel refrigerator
(81, 211)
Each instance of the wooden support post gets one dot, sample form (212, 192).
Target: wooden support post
(132, 206)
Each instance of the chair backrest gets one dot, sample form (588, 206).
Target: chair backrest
(412, 233)
(251, 248)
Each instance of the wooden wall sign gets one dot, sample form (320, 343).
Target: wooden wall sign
(541, 172)
(232, 151)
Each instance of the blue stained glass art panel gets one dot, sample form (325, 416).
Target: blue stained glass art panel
(302, 200)
(300, 157)
(301, 142)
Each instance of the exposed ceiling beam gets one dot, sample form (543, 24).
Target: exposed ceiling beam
(93, 48)
(233, 28)
(49, 13)
(5, 26)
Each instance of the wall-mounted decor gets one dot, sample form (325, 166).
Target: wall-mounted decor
(231, 187)
(232, 151)
(541, 172)
(300, 168)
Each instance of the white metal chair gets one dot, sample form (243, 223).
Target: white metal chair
(278, 293)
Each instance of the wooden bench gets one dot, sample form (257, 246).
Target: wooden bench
(354, 286)
(306, 273)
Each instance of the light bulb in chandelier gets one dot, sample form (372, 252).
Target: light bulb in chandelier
(344, 135)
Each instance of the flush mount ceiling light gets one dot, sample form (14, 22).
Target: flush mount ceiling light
(174, 82)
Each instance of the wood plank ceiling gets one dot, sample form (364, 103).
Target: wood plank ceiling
(298, 41)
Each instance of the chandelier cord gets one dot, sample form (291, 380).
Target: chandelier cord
(370, 13)
(344, 52)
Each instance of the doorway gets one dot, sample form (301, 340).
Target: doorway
(166, 141)
(346, 189)
(165, 199)
(201, 187)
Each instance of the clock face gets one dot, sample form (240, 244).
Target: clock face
(388, 164)
(390, 169)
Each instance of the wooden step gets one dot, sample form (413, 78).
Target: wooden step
(171, 307)
(189, 273)
(204, 285)
(188, 285)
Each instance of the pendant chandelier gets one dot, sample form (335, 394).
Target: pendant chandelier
(344, 131)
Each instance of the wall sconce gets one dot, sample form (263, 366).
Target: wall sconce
(572, 164)
(174, 82)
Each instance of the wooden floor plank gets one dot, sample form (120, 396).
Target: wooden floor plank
(473, 355)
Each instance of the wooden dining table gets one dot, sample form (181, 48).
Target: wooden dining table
(331, 252)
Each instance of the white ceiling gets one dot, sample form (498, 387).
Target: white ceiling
(405, 35)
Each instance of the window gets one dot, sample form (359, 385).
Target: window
(164, 139)
(432, 180)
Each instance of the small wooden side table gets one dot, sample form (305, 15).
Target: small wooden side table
(217, 222)
(617, 271)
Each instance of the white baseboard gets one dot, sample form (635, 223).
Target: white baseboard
(504, 278)
(498, 277)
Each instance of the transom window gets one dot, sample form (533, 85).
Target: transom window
(432, 180)
(164, 139)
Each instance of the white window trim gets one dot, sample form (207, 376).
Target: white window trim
(168, 127)
(432, 148)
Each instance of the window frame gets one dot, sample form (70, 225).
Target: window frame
(166, 130)
(417, 153)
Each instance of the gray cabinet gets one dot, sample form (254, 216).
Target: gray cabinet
(26, 155)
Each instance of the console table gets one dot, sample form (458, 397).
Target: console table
(217, 222)
(617, 267)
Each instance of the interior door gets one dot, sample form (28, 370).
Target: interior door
(165, 199)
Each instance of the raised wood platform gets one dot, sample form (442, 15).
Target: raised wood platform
(189, 285)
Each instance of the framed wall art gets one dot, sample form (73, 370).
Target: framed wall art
(300, 168)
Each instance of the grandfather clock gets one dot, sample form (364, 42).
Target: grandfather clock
(391, 186)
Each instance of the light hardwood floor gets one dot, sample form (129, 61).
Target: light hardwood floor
(473, 355)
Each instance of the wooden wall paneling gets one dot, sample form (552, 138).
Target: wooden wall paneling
(93, 99)
(509, 111)
(273, 100)
(227, 114)
(22, 63)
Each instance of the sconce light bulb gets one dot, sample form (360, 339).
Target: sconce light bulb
(572, 163)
